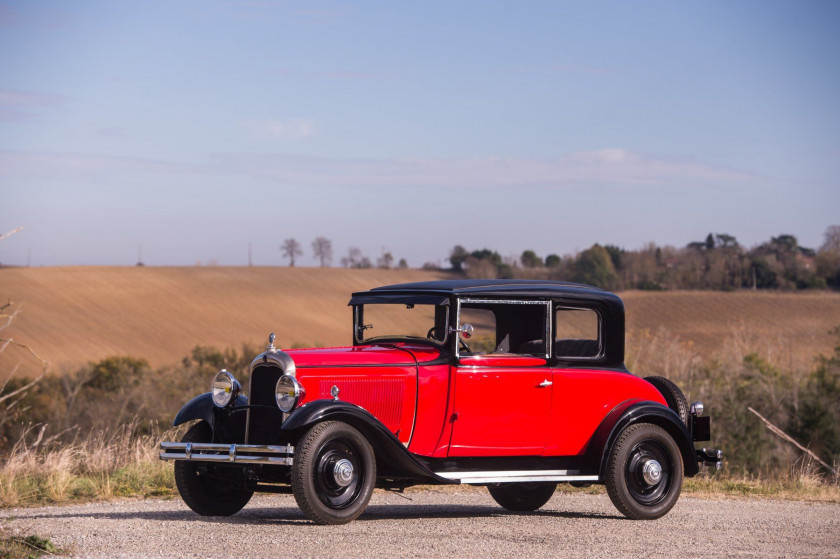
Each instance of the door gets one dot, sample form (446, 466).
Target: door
(501, 405)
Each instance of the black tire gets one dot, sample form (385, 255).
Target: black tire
(631, 493)
(673, 396)
(320, 492)
(520, 497)
(205, 495)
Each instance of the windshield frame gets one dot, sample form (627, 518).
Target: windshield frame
(358, 320)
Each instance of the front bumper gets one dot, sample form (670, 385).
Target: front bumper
(278, 455)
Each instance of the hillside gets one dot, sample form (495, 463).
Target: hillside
(74, 315)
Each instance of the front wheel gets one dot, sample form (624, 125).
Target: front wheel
(644, 472)
(333, 473)
(522, 497)
(203, 492)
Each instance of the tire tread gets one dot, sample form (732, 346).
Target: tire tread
(189, 487)
(674, 397)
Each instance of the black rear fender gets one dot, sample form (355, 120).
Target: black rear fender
(640, 411)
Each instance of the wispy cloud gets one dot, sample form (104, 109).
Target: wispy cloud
(279, 129)
(570, 68)
(607, 168)
(75, 167)
(50, 19)
(20, 106)
(332, 74)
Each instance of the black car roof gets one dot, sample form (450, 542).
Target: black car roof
(501, 287)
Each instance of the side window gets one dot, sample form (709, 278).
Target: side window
(577, 333)
(483, 338)
(502, 327)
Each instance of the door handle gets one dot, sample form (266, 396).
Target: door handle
(545, 383)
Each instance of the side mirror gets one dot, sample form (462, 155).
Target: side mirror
(466, 330)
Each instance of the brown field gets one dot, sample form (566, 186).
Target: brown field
(79, 314)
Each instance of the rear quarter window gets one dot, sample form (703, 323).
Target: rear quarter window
(577, 333)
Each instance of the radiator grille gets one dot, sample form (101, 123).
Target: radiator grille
(263, 382)
(383, 398)
(264, 422)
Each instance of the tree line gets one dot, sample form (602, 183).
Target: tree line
(322, 250)
(717, 262)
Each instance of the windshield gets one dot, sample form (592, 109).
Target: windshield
(396, 321)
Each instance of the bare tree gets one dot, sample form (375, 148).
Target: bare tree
(386, 261)
(291, 249)
(322, 249)
(353, 258)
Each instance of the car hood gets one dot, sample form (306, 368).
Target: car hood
(374, 354)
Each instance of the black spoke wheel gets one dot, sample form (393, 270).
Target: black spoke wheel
(520, 497)
(334, 473)
(199, 484)
(644, 472)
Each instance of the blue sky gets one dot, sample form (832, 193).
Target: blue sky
(195, 128)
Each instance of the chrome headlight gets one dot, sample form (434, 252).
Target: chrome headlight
(288, 392)
(696, 408)
(225, 388)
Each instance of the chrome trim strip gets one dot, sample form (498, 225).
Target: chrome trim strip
(231, 453)
(502, 479)
(517, 476)
(548, 317)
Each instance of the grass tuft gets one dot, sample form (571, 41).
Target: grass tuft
(107, 464)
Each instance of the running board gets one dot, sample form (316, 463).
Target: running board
(517, 476)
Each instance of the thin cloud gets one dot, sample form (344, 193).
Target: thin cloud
(607, 168)
(571, 68)
(332, 74)
(24, 106)
(279, 129)
(72, 166)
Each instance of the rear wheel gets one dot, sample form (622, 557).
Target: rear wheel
(334, 473)
(520, 497)
(673, 396)
(201, 491)
(644, 472)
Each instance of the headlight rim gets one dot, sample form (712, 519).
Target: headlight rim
(235, 389)
(298, 395)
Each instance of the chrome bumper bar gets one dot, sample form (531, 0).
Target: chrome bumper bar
(230, 453)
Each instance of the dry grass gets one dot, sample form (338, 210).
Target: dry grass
(804, 482)
(125, 465)
(101, 466)
(793, 327)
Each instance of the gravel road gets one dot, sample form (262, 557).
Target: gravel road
(450, 523)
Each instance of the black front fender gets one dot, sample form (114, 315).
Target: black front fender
(394, 459)
(202, 407)
(640, 411)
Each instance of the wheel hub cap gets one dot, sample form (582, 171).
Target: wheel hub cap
(652, 472)
(343, 472)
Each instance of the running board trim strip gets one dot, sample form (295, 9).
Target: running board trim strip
(517, 476)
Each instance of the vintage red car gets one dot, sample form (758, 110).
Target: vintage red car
(511, 384)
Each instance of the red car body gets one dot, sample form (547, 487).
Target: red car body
(528, 411)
